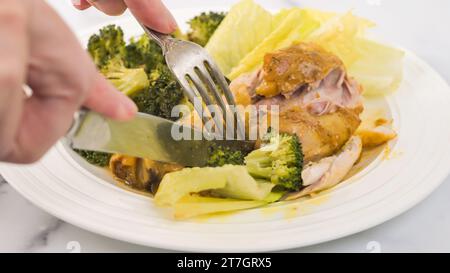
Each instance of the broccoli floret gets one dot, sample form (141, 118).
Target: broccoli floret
(144, 102)
(106, 45)
(178, 34)
(127, 80)
(165, 90)
(203, 26)
(220, 155)
(279, 160)
(139, 71)
(96, 158)
(164, 94)
(143, 52)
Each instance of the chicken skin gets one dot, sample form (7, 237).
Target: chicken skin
(320, 135)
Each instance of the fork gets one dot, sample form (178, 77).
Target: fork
(200, 78)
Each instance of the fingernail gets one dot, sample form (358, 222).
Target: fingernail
(96, 3)
(127, 109)
(173, 26)
(76, 2)
(92, 2)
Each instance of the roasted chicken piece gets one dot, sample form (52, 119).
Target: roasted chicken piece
(140, 174)
(317, 100)
(289, 69)
(329, 171)
(320, 135)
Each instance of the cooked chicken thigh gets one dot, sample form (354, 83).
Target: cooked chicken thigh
(317, 100)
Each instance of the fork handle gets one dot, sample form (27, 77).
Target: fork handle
(163, 40)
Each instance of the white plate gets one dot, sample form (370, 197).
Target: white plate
(416, 164)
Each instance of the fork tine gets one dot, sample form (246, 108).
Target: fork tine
(214, 70)
(192, 95)
(205, 76)
(180, 55)
(198, 83)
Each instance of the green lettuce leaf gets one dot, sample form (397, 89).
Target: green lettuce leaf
(229, 181)
(379, 68)
(245, 26)
(338, 35)
(192, 206)
(233, 186)
(177, 185)
(291, 26)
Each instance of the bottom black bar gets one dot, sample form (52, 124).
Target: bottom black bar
(190, 262)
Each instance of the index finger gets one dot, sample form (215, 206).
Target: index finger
(154, 14)
(13, 53)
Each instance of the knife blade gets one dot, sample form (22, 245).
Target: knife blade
(146, 136)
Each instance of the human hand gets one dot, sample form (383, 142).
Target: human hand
(38, 49)
(151, 13)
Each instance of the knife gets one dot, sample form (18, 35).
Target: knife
(146, 136)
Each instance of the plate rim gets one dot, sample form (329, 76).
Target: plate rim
(375, 220)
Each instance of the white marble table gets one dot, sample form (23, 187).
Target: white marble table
(420, 25)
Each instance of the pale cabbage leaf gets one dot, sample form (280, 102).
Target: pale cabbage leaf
(245, 26)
